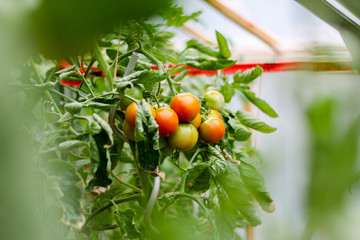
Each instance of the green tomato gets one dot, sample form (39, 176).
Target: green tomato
(184, 138)
(135, 92)
(214, 100)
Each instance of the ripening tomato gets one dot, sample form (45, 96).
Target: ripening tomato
(186, 106)
(135, 92)
(212, 130)
(130, 113)
(214, 100)
(184, 138)
(128, 131)
(196, 121)
(214, 114)
(167, 120)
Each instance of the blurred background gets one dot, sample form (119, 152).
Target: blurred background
(311, 164)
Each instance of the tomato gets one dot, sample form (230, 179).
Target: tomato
(135, 92)
(212, 130)
(184, 138)
(214, 114)
(167, 120)
(130, 113)
(214, 100)
(196, 121)
(128, 131)
(186, 106)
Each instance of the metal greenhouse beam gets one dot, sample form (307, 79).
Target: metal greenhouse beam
(266, 38)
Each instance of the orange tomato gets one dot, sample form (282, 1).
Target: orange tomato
(212, 130)
(130, 113)
(196, 121)
(186, 106)
(167, 120)
(214, 114)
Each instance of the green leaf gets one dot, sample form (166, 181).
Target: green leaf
(147, 138)
(104, 125)
(246, 77)
(261, 104)
(71, 144)
(223, 46)
(238, 193)
(241, 133)
(175, 16)
(112, 53)
(217, 161)
(226, 91)
(70, 185)
(150, 78)
(149, 33)
(254, 182)
(126, 219)
(251, 121)
(181, 76)
(100, 160)
(195, 44)
(210, 65)
(73, 107)
(177, 69)
(198, 178)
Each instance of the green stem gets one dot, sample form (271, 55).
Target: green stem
(87, 84)
(100, 210)
(62, 95)
(150, 205)
(125, 183)
(40, 81)
(89, 67)
(103, 65)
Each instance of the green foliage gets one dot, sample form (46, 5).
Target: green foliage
(103, 180)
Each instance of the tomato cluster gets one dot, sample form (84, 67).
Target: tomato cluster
(182, 123)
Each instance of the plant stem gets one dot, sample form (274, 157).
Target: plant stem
(89, 67)
(103, 65)
(100, 210)
(62, 95)
(151, 203)
(40, 81)
(125, 183)
(87, 84)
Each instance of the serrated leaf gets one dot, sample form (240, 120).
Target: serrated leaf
(126, 219)
(71, 144)
(104, 125)
(246, 77)
(224, 51)
(241, 133)
(70, 186)
(226, 91)
(251, 121)
(217, 161)
(195, 44)
(147, 138)
(254, 182)
(261, 104)
(237, 192)
(198, 178)
(149, 33)
(210, 65)
(150, 78)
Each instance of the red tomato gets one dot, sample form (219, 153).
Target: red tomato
(212, 130)
(186, 106)
(130, 113)
(167, 120)
(184, 138)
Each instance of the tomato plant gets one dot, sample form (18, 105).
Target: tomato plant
(117, 168)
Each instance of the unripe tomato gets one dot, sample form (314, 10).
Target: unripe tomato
(214, 100)
(184, 138)
(135, 92)
(186, 106)
(128, 131)
(167, 120)
(212, 130)
(130, 113)
(214, 114)
(196, 121)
